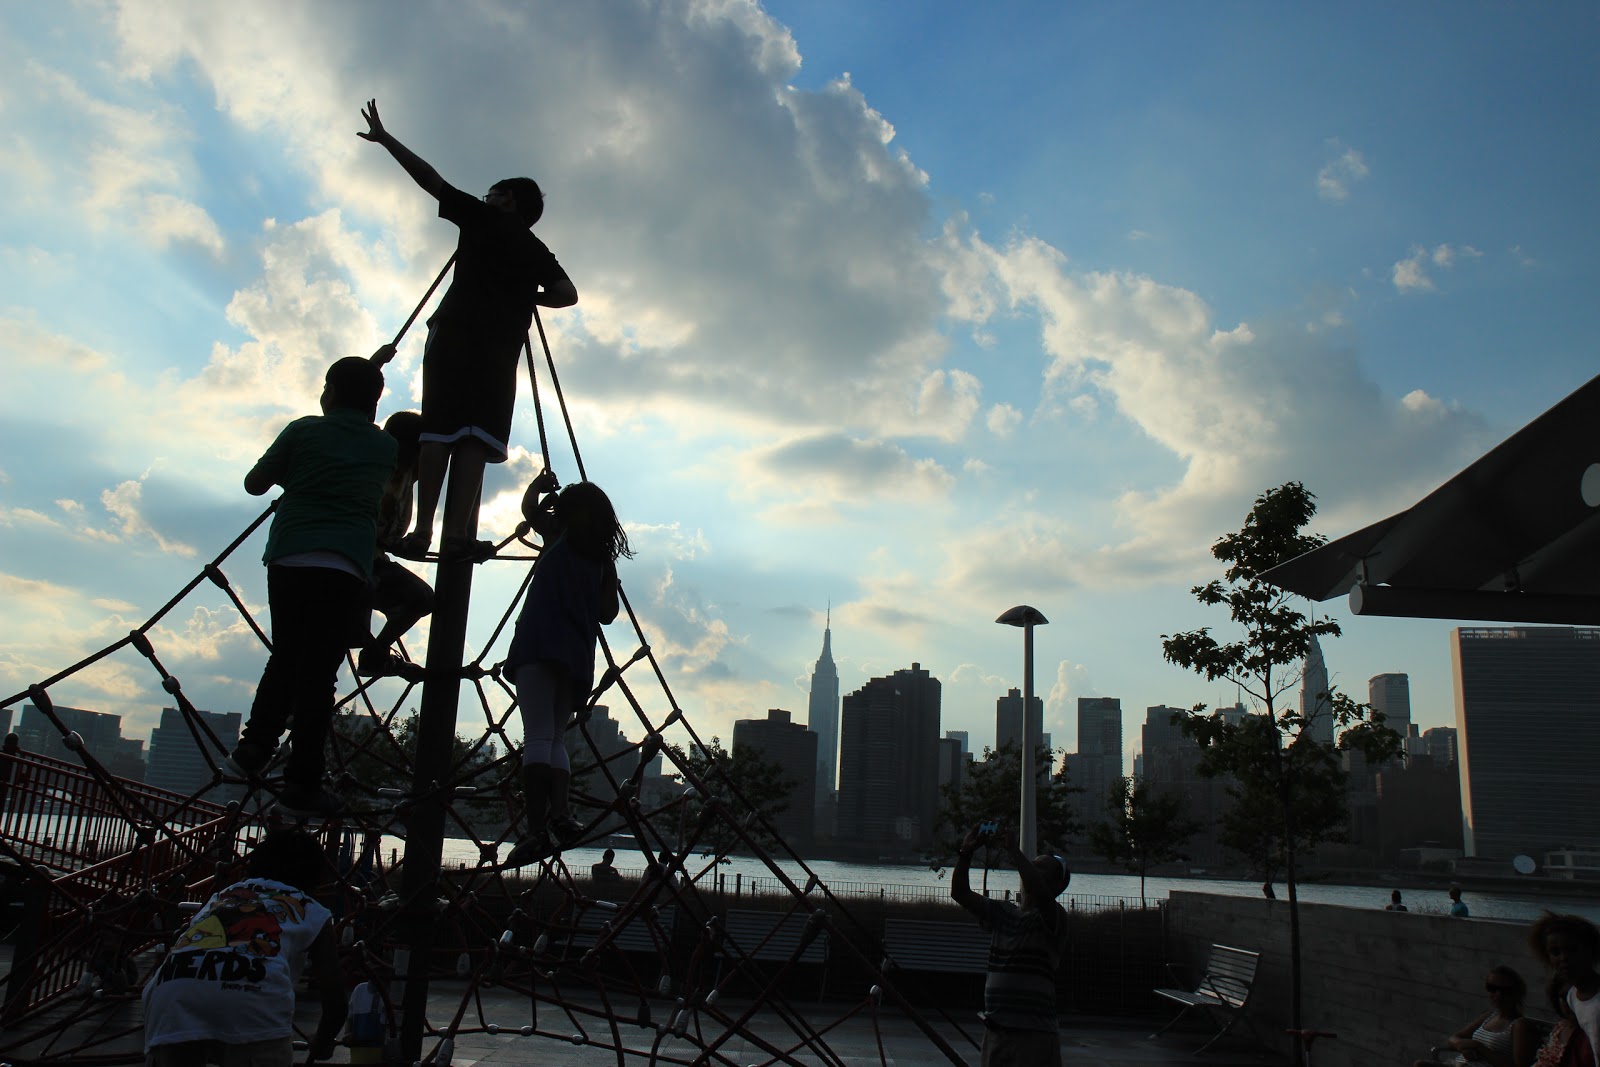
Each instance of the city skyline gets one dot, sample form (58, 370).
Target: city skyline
(841, 334)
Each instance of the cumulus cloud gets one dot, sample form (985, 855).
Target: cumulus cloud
(1340, 173)
(829, 469)
(1411, 274)
(1003, 419)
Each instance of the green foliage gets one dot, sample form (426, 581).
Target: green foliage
(1288, 787)
(1146, 828)
(385, 760)
(740, 783)
(992, 789)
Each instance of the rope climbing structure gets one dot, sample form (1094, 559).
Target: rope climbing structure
(99, 872)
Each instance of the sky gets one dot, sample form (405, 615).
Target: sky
(904, 312)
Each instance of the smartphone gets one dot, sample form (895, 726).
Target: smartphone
(988, 828)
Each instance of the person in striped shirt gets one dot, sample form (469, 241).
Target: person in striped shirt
(1027, 939)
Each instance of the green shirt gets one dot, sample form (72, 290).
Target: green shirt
(332, 468)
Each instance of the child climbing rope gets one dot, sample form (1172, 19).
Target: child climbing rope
(551, 658)
(332, 468)
(402, 598)
(469, 367)
(225, 993)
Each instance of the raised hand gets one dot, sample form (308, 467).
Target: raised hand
(375, 131)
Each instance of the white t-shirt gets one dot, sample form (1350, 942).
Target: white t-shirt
(1587, 1012)
(230, 976)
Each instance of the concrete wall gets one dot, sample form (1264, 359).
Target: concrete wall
(1390, 984)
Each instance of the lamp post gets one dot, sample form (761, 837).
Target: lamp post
(1026, 617)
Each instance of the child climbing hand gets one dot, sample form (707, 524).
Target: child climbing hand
(383, 355)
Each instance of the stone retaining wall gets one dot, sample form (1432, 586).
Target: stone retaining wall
(1390, 984)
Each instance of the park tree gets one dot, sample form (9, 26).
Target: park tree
(1273, 754)
(991, 789)
(1145, 828)
(383, 759)
(740, 784)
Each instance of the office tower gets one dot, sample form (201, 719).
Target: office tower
(888, 760)
(101, 733)
(1528, 734)
(1171, 765)
(822, 718)
(794, 748)
(176, 761)
(1390, 694)
(1099, 761)
(1314, 703)
(1439, 742)
(1008, 720)
(5, 721)
(952, 765)
(962, 738)
(605, 757)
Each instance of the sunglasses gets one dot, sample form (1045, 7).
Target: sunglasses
(1491, 987)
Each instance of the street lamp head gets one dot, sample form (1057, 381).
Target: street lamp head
(1023, 615)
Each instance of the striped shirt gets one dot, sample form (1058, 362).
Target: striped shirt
(1025, 949)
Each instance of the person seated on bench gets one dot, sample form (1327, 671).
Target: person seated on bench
(1501, 1036)
(1027, 940)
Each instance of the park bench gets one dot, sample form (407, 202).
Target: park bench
(636, 935)
(1224, 990)
(772, 937)
(929, 945)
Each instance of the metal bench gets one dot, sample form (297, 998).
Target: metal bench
(772, 937)
(641, 933)
(929, 945)
(1224, 990)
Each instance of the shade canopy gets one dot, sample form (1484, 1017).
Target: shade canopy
(1515, 537)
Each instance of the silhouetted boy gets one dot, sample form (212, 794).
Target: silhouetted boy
(225, 992)
(332, 468)
(469, 368)
(1026, 942)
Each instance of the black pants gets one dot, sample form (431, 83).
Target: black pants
(314, 612)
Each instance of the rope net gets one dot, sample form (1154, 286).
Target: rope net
(99, 873)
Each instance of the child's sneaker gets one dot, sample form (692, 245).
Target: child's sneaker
(566, 828)
(531, 849)
(310, 802)
(248, 759)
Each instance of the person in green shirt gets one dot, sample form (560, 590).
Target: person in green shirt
(332, 468)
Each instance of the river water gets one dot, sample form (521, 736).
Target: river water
(849, 878)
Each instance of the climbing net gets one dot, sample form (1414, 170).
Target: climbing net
(99, 873)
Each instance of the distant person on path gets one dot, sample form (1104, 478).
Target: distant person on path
(1570, 946)
(225, 993)
(1501, 1036)
(1458, 908)
(604, 872)
(1394, 902)
(551, 657)
(469, 367)
(332, 468)
(1027, 939)
(401, 597)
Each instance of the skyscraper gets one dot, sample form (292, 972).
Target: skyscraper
(1528, 730)
(101, 732)
(1099, 761)
(888, 760)
(1008, 719)
(794, 748)
(1314, 703)
(1439, 742)
(822, 718)
(176, 762)
(1391, 695)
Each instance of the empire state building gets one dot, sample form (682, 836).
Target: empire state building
(822, 717)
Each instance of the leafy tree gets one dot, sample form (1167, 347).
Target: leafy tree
(1146, 828)
(1274, 754)
(992, 788)
(741, 782)
(385, 761)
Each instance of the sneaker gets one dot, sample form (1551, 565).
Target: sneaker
(566, 828)
(248, 759)
(310, 801)
(376, 663)
(531, 849)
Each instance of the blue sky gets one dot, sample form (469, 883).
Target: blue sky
(921, 309)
